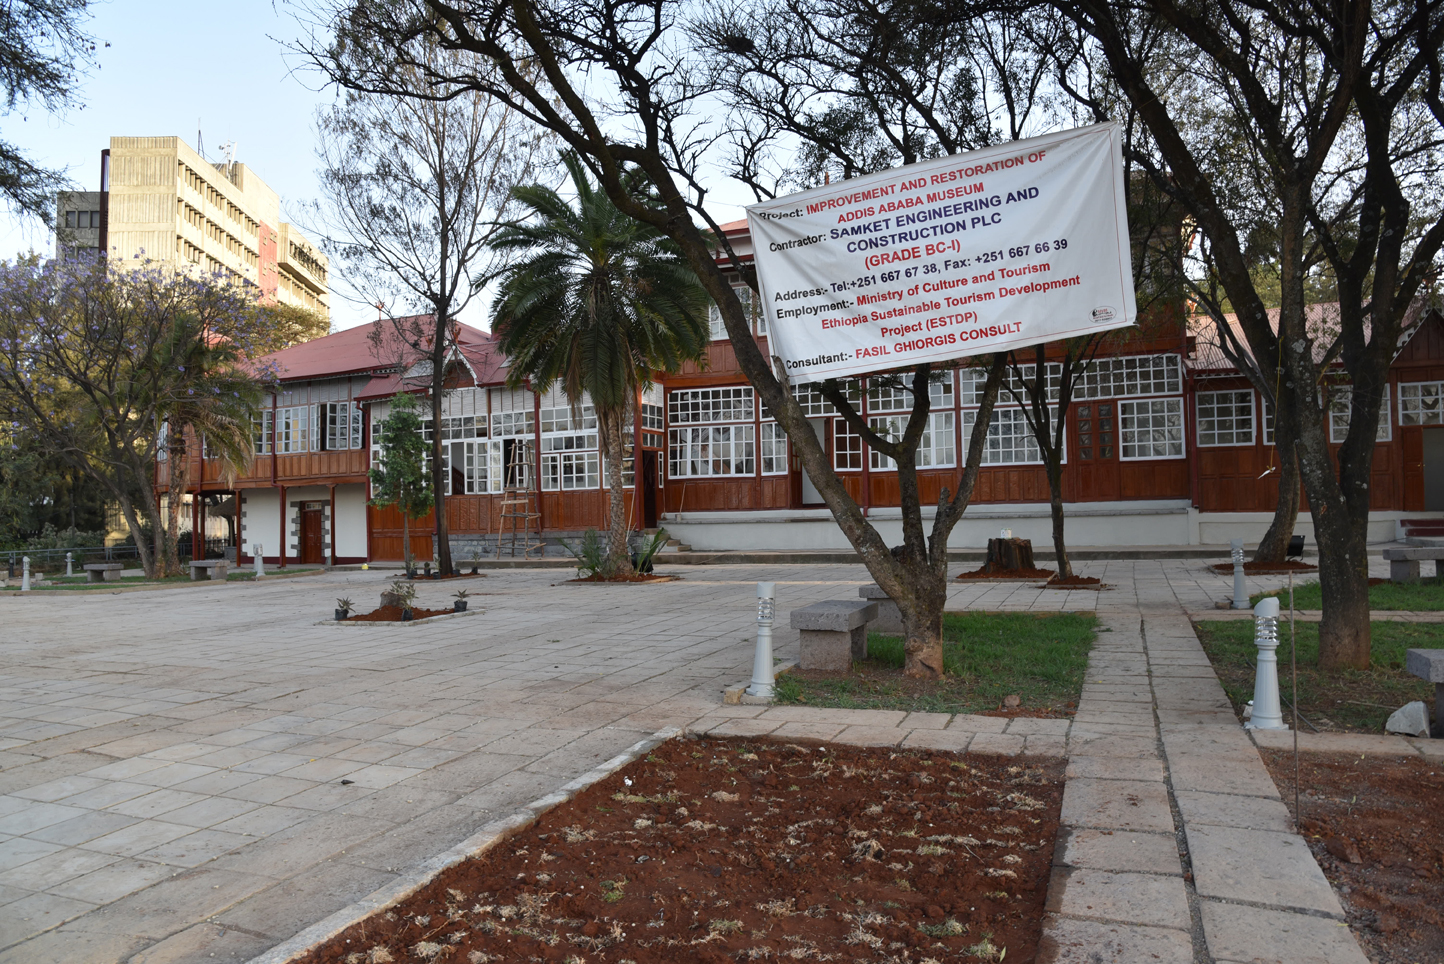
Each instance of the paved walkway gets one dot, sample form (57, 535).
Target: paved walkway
(200, 773)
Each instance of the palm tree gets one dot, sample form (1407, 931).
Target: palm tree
(601, 303)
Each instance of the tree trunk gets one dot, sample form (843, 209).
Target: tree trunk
(1344, 632)
(438, 468)
(1060, 547)
(178, 482)
(406, 540)
(922, 618)
(1275, 544)
(619, 561)
(145, 553)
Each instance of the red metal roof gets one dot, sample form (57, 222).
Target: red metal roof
(369, 348)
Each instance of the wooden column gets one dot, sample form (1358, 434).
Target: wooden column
(638, 512)
(196, 541)
(283, 528)
(332, 554)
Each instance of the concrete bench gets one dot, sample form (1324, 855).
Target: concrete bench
(1428, 664)
(1404, 563)
(103, 571)
(833, 633)
(217, 569)
(889, 618)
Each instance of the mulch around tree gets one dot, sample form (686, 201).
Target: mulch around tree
(635, 578)
(1264, 568)
(392, 614)
(1376, 826)
(1076, 582)
(1030, 575)
(729, 850)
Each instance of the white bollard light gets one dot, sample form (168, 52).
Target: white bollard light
(259, 564)
(1240, 594)
(25, 574)
(762, 659)
(68, 561)
(1267, 713)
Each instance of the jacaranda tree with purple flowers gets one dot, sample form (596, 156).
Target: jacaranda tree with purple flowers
(97, 364)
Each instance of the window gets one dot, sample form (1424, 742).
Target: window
(1151, 429)
(569, 448)
(772, 449)
(1053, 379)
(899, 398)
(82, 219)
(1420, 403)
(1095, 430)
(261, 426)
(710, 405)
(846, 446)
(704, 450)
(714, 314)
(814, 405)
(1009, 441)
(295, 429)
(935, 449)
(1225, 418)
(343, 426)
(508, 424)
(1131, 376)
(1340, 404)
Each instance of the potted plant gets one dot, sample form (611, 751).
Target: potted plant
(460, 604)
(343, 609)
(406, 605)
(475, 563)
(428, 570)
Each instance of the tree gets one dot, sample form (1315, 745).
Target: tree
(399, 477)
(43, 53)
(90, 370)
(413, 189)
(600, 302)
(280, 325)
(1329, 118)
(627, 90)
(40, 490)
(208, 406)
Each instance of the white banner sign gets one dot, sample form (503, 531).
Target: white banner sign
(980, 252)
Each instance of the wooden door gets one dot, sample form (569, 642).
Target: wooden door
(1093, 462)
(313, 523)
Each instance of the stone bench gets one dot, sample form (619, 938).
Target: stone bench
(889, 618)
(1404, 563)
(103, 571)
(217, 569)
(833, 633)
(1428, 664)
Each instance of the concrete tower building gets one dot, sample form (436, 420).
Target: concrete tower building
(159, 200)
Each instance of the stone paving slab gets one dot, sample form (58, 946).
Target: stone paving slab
(1072, 941)
(1245, 935)
(231, 695)
(1259, 867)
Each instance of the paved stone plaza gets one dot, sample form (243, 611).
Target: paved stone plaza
(171, 762)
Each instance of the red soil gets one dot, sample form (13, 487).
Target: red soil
(723, 851)
(1030, 575)
(392, 614)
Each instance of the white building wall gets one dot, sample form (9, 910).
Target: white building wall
(261, 521)
(350, 525)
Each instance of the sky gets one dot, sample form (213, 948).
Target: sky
(168, 68)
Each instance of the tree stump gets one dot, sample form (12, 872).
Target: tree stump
(1009, 554)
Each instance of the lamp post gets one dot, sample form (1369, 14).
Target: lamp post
(1240, 594)
(1267, 714)
(762, 660)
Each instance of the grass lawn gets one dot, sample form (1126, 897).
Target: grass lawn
(986, 656)
(1425, 595)
(1342, 701)
(62, 583)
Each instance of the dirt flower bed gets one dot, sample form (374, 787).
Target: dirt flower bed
(1265, 568)
(634, 577)
(730, 851)
(1076, 582)
(1376, 826)
(997, 572)
(392, 614)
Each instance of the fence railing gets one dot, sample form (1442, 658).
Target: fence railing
(50, 560)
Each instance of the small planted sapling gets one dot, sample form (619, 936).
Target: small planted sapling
(343, 608)
(460, 604)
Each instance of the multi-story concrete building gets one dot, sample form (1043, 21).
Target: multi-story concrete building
(160, 201)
